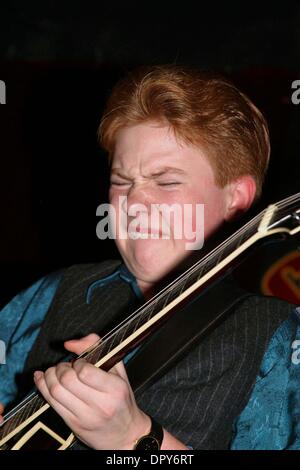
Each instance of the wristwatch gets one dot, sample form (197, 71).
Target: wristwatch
(153, 440)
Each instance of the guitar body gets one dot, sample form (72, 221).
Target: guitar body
(42, 431)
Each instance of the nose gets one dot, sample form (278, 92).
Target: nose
(139, 198)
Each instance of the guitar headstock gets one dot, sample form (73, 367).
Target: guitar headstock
(284, 216)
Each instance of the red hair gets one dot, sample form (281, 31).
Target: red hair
(205, 110)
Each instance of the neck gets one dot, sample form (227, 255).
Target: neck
(148, 288)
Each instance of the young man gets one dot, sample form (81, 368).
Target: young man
(173, 136)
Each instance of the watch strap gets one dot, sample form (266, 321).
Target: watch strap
(156, 432)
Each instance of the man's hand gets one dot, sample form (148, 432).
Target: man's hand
(98, 406)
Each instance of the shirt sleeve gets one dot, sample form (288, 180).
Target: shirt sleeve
(271, 419)
(20, 322)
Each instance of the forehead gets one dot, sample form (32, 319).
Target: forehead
(153, 145)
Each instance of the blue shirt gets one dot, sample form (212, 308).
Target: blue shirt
(22, 317)
(271, 419)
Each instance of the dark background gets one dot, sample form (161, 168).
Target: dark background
(59, 61)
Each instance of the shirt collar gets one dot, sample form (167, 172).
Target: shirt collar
(123, 273)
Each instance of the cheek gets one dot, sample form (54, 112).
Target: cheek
(206, 209)
(111, 195)
(121, 245)
(117, 204)
(114, 196)
(213, 215)
(113, 199)
(192, 208)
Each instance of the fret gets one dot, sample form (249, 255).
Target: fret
(155, 306)
(240, 240)
(120, 335)
(142, 319)
(93, 356)
(181, 287)
(200, 272)
(20, 416)
(166, 298)
(219, 257)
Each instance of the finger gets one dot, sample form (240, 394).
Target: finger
(96, 378)
(77, 346)
(68, 377)
(119, 369)
(68, 406)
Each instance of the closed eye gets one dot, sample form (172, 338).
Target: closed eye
(119, 183)
(171, 183)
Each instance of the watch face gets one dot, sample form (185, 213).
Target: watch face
(147, 443)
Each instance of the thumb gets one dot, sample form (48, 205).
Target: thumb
(77, 346)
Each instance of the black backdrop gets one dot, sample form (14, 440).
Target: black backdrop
(59, 62)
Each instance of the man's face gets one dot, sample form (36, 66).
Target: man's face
(151, 167)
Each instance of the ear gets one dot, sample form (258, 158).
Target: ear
(240, 196)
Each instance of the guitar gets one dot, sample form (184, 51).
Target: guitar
(33, 424)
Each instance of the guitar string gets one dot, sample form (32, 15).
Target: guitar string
(15, 417)
(287, 201)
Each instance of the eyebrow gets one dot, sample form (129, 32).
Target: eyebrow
(168, 169)
(156, 173)
(119, 173)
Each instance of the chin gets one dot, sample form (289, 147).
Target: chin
(151, 261)
(148, 253)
